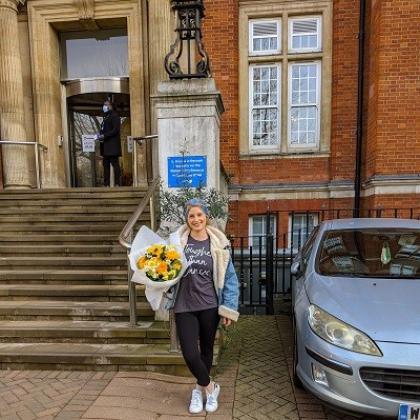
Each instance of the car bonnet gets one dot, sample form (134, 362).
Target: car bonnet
(384, 309)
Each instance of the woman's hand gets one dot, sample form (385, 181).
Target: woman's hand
(226, 322)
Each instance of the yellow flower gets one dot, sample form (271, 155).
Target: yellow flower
(176, 265)
(172, 254)
(162, 268)
(141, 262)
(152, 263)
(155, 250)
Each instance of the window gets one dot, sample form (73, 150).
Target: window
(300, 227)
(94, 54)
(265, 106)
(376, 252)
(285, 77)
(304, 34)
(306, 250)
(304, 82)
(258, 229)
(264, 37)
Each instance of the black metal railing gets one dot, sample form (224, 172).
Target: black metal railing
(263, 262)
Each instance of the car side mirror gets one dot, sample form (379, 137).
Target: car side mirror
(295, 269)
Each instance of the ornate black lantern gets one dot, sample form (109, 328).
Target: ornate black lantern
(187, 58)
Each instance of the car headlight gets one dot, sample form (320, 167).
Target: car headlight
(339, 333)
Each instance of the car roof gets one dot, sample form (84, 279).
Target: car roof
(364, 223)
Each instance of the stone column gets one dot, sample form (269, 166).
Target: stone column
(188, 120)
(16, 163)
(161, 23)
(161, 35)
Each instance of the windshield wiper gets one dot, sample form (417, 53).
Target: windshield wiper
(373, 276)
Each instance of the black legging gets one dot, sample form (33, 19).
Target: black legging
(115, 162)
(194, 326)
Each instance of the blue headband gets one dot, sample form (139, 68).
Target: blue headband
(195, 202)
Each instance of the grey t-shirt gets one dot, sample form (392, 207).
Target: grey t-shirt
(196, 289)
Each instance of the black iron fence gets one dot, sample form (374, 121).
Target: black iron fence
(263, 261)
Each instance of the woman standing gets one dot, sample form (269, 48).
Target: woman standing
(207, 292)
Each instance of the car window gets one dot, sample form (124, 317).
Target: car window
(373, 252)
(308, 246)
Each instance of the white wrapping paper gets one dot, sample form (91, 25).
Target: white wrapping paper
(154, 290)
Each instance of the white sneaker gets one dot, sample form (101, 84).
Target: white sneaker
(211, 403)
(196, 404)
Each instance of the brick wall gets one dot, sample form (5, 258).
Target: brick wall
(393, 143)
(391, 126)
(283, 170)
(326, 209)
(220, 29)
(221, 41)
(344, 89)
(392, 202)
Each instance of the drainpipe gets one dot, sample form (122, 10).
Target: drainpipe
(359, 129)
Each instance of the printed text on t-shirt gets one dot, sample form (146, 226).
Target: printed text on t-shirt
(195, 258)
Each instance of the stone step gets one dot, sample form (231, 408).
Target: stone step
(110, 228)
(78, 193)
(76, 292)
(69, 250)
(60, 276)
(69, 218)
(48, 203)
(78, 311)
(104, 209)
(84, 356)
(63, 284)
(64, 262)
(67, 228)
(84, 332)
(12, 238)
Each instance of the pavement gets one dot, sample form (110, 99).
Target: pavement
(254, 374)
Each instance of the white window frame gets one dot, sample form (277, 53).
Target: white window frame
(317, 105)
(251, 37)
(251, 228)
(290, 230)
(270, 147)
(318, 48)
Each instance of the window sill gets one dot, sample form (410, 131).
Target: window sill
(280, 155)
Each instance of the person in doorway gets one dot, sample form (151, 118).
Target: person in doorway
(110, 143)
(208, 291)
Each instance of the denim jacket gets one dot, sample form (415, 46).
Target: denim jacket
(224, 276)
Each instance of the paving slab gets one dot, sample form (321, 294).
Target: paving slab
(253, 371)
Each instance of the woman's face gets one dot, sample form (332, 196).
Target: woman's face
(197, 219)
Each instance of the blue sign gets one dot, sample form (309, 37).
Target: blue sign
(403, 414)
(187, 171)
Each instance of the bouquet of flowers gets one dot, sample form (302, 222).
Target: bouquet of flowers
(160, 262)
(156, 264)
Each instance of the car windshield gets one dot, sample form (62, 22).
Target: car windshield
(373, 253)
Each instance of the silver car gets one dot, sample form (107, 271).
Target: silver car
(356, 312)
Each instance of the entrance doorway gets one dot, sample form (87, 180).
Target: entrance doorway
(84, 117)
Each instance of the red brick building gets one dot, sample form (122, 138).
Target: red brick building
(288, 72)
(289, 75)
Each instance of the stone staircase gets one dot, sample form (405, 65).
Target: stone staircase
(63, 285)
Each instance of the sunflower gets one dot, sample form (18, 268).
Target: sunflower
(141, 262)
(172, 254)
(155, 250)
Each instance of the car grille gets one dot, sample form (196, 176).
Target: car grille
(394, 383)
